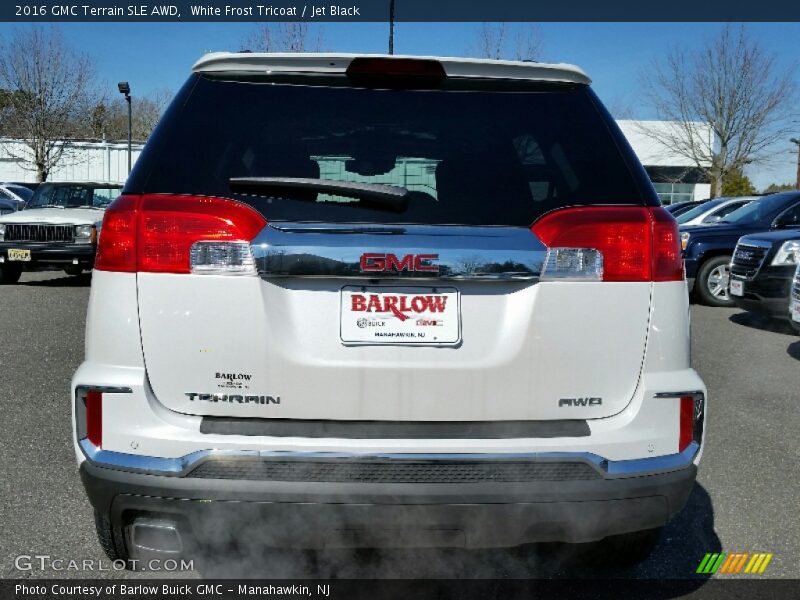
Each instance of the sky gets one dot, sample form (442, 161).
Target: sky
(158, 56)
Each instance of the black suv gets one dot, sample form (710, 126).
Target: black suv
(708, 249)
(762, 269)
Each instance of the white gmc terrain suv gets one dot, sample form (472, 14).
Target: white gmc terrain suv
(386, 301)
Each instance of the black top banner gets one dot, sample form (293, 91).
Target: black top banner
(404, 10)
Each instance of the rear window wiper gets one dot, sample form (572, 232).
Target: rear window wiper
(390, 197)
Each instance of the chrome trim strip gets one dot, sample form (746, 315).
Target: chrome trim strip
(335, 250)
(694, 393)
(609, 469)
(106, 389)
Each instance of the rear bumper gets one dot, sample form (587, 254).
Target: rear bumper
(318, 514)
(52, 254)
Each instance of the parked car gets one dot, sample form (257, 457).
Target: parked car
(707, 250)
(713, 211)
(15, 193)
(678, 208)
(794, 306)
(8, 206)
(762, 270)
(59, 227)
(426, 370)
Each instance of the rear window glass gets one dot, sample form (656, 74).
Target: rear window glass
(467, 157)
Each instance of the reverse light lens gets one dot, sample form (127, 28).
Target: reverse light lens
(634, 243)
(158, 233)
(573, 263)
(222, 257)
(789, 254)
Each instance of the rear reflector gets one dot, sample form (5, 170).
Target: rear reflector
(94, 417)
(634, 244)
(403, 73)
(177, 234)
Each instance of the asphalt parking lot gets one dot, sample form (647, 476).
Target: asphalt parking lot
(746, 498)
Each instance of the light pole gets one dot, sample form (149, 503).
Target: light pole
(796, 142)
(125, 89)
(391, 26)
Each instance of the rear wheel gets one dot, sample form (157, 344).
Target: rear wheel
(712, 281)
(10, 273)
(73, 270)
(625, 550)
(111, 538)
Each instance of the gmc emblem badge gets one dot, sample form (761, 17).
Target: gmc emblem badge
(375, 262)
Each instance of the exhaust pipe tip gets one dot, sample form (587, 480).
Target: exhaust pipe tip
(156, 536)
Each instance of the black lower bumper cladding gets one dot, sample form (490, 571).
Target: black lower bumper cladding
(320, 514)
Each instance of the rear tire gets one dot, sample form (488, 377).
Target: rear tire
(625, 550)
(712, 281)
(73, 270)
(111, 539)
(10, 274)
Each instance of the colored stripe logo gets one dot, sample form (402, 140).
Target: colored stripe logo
(734, 563)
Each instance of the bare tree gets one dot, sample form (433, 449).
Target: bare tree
(733, 86)
(501, 41)
(109, 116)
(284, 37)
(47, 101)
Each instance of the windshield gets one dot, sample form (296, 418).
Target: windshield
(72, 196)
(765, 209)
(698, 210)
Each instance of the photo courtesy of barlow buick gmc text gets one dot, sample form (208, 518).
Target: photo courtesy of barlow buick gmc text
(384, 301)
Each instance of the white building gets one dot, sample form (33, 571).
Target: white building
(674, 176)
(85, 161)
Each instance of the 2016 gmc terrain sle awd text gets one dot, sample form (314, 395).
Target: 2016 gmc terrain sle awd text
(447, 305)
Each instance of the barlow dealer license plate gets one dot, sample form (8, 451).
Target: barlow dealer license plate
(24, 255)
(736, 287)
(400, 315)
(795, 310)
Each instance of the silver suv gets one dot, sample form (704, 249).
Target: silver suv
(386, 301)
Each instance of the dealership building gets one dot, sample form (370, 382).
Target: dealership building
(675, 177)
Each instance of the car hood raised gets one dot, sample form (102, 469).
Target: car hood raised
(55, 216)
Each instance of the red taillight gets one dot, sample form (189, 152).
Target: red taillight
(94, 417)
(667, 261)
(154, 233)
(116, 249)
(637, 243)
(687, 414)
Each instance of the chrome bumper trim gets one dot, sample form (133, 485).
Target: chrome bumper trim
(178, 467)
